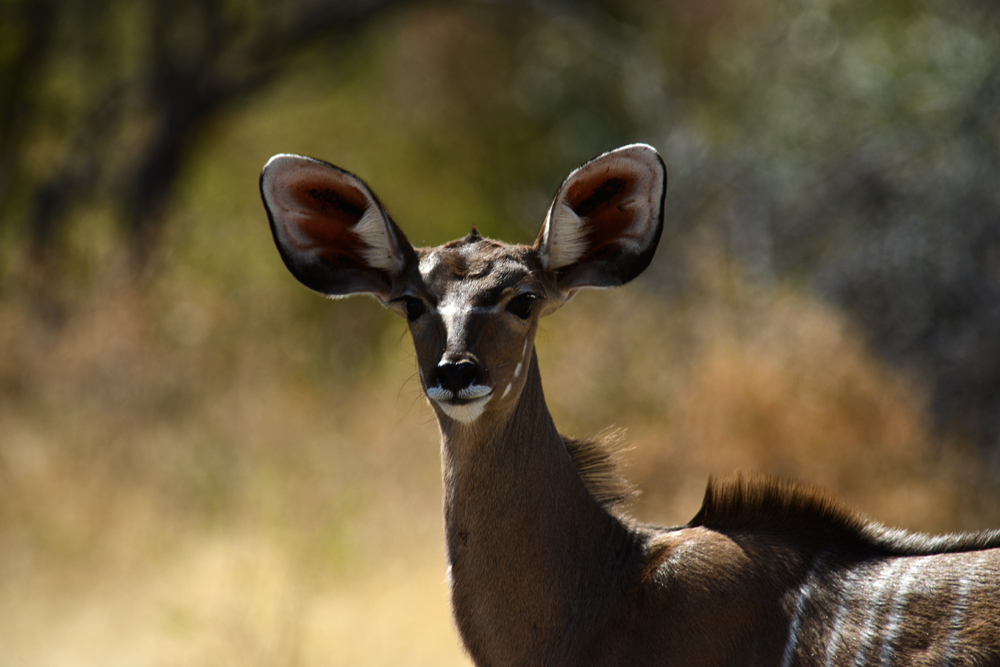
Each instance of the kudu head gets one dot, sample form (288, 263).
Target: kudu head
(473, 304)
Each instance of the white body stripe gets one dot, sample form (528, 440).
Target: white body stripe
(895, 622)
(838, 628)
(869, 633)
(843, 612)
(960, 610)
(800, 605)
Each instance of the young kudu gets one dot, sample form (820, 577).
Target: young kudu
(542, 571)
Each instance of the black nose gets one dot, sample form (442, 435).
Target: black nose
(456, 376)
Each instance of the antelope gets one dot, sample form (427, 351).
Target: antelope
(543, 567)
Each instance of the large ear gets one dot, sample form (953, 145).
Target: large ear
(606, 220)
(331, 230)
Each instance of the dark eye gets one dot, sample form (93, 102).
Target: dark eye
(521, 305)
(414, 308)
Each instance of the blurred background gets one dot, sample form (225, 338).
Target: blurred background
(202, 463)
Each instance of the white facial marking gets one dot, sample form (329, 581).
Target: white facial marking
(449, 312)
(428, 263)
(465, 413)
(506, 391)
(455, 314)
(520, 365)
(439, 394)
(474, 391)
(469, 393)
(475, 396)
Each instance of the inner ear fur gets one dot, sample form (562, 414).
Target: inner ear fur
(330, 229)
(606, 219)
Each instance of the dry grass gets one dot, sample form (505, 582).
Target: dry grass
(192, 477)
(732, 378)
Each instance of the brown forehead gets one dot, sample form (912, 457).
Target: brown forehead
(481, 268)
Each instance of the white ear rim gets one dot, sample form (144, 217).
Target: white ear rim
(564, 239)
(380, 249)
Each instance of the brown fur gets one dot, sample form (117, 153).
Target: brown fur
(597, 462)
(771, 504)
(814, 517)
(541, 570)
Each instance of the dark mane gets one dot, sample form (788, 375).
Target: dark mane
(810, 514)
(596, 461)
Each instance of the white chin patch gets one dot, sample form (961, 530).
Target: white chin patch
(465, 412)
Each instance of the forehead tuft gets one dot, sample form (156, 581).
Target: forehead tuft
(474, 258)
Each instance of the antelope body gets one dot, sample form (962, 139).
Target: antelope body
(542, 571)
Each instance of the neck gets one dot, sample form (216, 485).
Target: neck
(531, 552)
